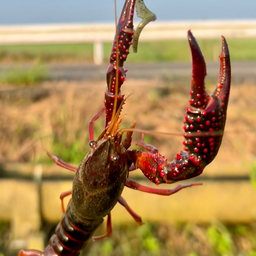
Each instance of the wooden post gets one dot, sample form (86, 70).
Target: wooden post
(98, 53)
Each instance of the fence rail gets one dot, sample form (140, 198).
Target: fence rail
(98, 33)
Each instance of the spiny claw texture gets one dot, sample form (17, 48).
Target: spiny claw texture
(204, 124)
(120, 50)
(206, 114)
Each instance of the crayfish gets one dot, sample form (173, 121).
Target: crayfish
(103, 173)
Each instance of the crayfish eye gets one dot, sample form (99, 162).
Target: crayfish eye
(114, 158)
(92, 143)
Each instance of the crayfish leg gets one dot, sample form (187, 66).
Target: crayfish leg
(30, 253)
(163, 192)
(91, 125)
(108, 230)
(144, 145)
(61, 163)
(128, 138)
(135, 216)
(62, 196)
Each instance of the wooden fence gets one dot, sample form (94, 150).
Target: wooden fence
(99, 33)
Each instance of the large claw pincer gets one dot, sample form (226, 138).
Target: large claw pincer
(204, 124)
(119, 53)
(205, 117)
(124, 38)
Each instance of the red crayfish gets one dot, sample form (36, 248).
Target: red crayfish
(103, 173)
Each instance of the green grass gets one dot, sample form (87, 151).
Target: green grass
(220, 239)
(253, 175)
(177, 50)
(240, 50)
(22, 77)
(46, 53)
(153, 239)
(185, 239)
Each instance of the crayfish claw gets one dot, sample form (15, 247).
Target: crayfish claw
(223, 84)
(206, 115)
(199, 97)
(124, 34)
(198, 93)
(204, 124)
(120, 49)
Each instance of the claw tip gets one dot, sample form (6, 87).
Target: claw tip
(189, 33)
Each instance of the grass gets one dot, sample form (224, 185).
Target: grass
(165, 51)
(182, 239)
(253, 175)
(46, 53)
(57, 120)
(24, 76)
(153, 239)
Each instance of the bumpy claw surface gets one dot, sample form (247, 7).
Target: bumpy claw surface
(204, 124)
(124, 33)
(206, 114)
(120, 51)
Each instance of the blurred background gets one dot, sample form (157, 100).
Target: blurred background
(53, 62)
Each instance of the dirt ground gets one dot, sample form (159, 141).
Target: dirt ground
(54, 116)
(32, 118)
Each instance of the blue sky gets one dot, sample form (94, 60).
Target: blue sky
(79, 11)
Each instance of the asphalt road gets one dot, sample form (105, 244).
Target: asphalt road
(241, 71)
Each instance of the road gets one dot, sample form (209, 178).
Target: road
(241, 71)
